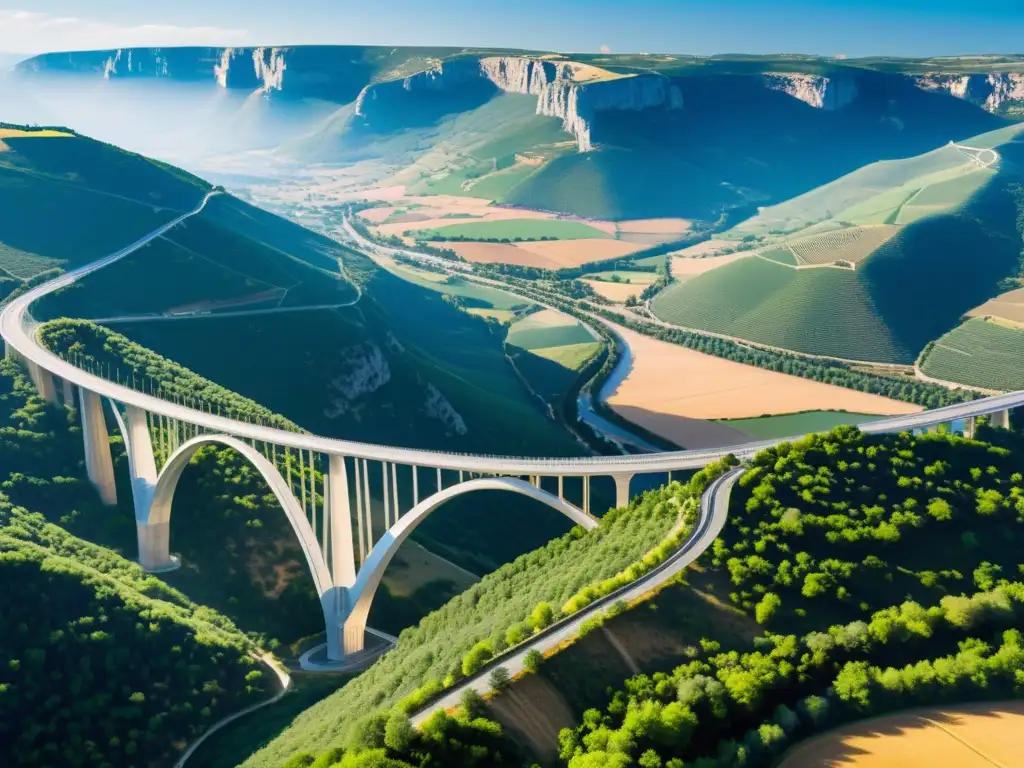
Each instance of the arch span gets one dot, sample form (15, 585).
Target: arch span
(159, 514)
(362, 592)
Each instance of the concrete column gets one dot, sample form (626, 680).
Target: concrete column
(561, 488)
(368, 507)
(343, 564)
(353, 637)
(68, 393)
(1001, 419)
(622, 489)
(970, 426)
(154, 539)
(384, 491)
(98, 464)
(415, 485)
(397, 513)
(43, 380)
(359, 513)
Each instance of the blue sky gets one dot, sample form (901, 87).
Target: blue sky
(829, 27)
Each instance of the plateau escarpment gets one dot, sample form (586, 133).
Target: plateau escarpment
(569, 91)
(997, 92)
(828, 93)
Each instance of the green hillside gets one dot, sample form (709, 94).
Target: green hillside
(103, 663)
(978, 353)
(909, 291)
(53, 191)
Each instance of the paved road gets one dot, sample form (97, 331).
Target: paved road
(213, 314)
(17, 332)
(714, 509)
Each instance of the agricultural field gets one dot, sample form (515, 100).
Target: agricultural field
(619, 285)
(943, 195)
(966, 736)
(478, 299)
(571, 356)
(524, 229)
(979, 353)
(885, 311)
(682, 395)
(783, 255)
(547, 328)
(815, 311)
(853, 245)
(791, 424)
(1007, 306)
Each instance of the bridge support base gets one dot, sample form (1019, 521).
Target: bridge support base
(154, 548)
(970, 427)
(98, 464)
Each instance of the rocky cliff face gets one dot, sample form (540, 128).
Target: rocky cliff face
(992, 92)
(828, 93)
(560, 94)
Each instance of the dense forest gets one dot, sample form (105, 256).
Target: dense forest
(100, 663)
(885, 572)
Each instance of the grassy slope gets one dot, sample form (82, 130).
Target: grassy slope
(792, 424)
(53, 192)
(908, 292)
(979, 354)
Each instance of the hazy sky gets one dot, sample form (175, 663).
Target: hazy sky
(830, 27)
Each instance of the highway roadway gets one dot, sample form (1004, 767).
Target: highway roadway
(714, 510)
(19, 335)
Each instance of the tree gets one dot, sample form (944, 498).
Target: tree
(542, 616)
(473, 704)
(533, 660)
(399, 732)
(766, 608)
(500, 679)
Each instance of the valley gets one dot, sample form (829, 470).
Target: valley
(496, 407)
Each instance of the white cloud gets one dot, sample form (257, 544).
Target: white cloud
(32, 32)
(606, 49)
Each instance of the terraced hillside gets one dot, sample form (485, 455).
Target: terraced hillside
(894, 286)
(851, 245)
(979, 353)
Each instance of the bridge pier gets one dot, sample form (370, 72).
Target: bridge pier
(43, 380)
(622, 482)
(98, 464)
(68, 393)
(1001, 419)
(970, 427)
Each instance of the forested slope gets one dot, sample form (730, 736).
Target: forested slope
(102, 664)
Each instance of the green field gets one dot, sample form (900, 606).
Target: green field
(476, 296)
(532, 336)
(780, 255)
(793, 424)
(624, 275)
(570, 356)
(497, 185)
(507, 229)
(911, 290)
(979, 353)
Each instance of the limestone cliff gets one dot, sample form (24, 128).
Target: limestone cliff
(569, 91)
(575, 93)
(992, 92)
(827, 93)
(438, 407)
(364, 370)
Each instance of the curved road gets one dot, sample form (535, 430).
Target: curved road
(19, 335)
(714, 509)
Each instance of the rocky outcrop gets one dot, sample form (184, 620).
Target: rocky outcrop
(438, 407)
(992, 92)
(827, 93)
(561, 94)
(364, 370)
(124, 62)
